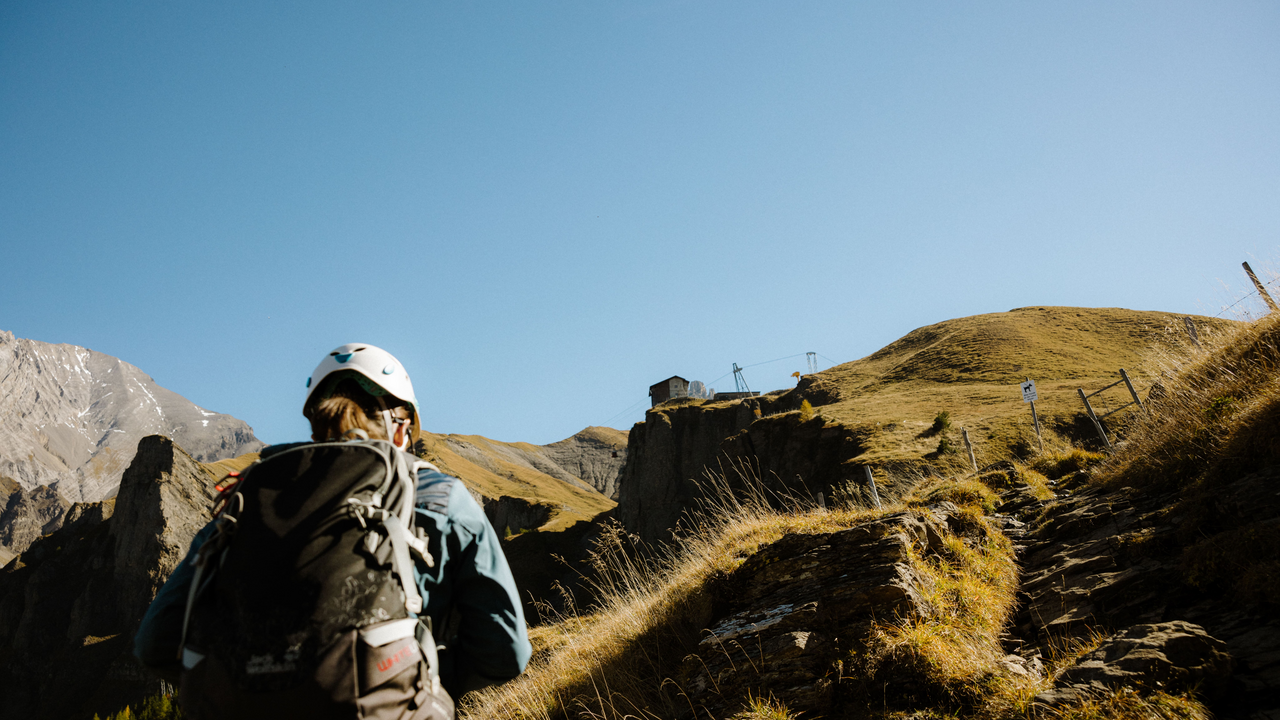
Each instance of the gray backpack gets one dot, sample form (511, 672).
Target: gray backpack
(304, 602)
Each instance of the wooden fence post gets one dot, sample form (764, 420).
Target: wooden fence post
(1097, 425)
(1191, 330)
(1271, 304)
(871, 483)
(1132, 393)
(969, 446)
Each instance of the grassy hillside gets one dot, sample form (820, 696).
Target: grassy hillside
(222, 467)
(522, 470)
(971, 368)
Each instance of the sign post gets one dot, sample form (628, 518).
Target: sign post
(1029, 396)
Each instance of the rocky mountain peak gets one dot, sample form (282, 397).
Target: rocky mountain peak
(74, 418)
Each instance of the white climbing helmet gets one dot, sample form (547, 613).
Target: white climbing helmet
(377, 371)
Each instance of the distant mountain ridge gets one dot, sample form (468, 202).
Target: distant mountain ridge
(73, 418)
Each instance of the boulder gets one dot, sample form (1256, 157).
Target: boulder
(1172, 656)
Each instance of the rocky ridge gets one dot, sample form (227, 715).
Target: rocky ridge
(796, 621)
(74, 417)
(70, 605)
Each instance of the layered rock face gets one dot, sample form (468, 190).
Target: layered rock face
(1111, 561)
(71, 604)
(672, 451)
(73, 418)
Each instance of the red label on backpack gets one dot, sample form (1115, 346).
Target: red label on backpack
(382, 663)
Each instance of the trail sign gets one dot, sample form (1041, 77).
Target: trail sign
(1029, 396)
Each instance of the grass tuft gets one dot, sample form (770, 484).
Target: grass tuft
(1056, 465)
(1128, 704)
(760, 708)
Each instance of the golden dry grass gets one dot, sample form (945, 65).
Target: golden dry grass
(1128, 704)
(762, 708)
(952, 649)
(220, 468)
(495, 468)
(1215, 413)
(606, 664)
(1059, 463)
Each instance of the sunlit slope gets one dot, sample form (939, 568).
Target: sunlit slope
(236, 464)
(523, 470)
(971, 367)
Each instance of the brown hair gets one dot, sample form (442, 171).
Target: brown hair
(348, 408)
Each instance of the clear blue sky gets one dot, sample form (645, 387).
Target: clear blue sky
(543, 207)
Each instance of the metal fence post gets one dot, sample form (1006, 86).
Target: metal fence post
(1036, 419)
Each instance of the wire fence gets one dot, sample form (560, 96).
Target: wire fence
(1246, 296)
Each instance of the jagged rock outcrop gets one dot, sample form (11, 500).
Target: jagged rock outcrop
(671, 452)
(515, 514)
(28, 514)
(73, 419)
(798, 605)
(70, 605)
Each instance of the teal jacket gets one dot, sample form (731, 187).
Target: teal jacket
(470, 595)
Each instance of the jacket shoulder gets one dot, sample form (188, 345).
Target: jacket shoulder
(435, 489)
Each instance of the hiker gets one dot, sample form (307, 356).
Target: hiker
(363, 416)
